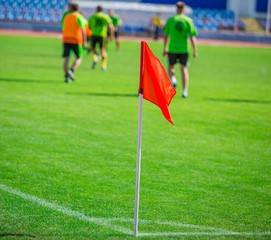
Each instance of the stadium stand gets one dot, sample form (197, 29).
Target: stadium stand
(135, 19)
(263, 24)
(32, 10)
(215, 20)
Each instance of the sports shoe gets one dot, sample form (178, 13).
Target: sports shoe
(68, 79)
(174, 81)
(71, 74)
(94, 65)
(96, 59)
(104, 68)
(185, 94)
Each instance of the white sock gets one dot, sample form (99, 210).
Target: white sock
(173, 79)
(185, 92)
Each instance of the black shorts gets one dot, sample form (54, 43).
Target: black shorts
(182, 58)
(116, 33)
(68, 47)
(97, 40)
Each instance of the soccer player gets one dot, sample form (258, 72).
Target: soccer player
(88, 32)
(73, 38)
(98, 23)
(177, 30)
(117, 22)
(157, 24)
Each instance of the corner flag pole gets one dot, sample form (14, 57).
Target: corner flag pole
(139, 138)
(138, 164)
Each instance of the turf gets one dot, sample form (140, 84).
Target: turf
(74, 145)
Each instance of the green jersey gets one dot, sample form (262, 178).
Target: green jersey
(179, 28)
(116, 20)
(98, 23)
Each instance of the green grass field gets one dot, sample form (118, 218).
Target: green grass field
(68, 151)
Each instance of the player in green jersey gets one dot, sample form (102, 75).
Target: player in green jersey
(117, 22)
(98, 23)
(177, 30)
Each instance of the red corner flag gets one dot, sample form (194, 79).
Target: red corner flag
(155, 85)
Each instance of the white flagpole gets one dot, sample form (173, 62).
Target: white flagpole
(138, 164)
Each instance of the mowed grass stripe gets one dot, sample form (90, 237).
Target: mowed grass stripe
(75, 144)
(64, 210)
(108, 222)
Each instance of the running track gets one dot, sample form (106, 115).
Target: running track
(132, 38)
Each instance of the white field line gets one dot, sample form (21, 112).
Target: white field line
(99, 221)
(172, 224)
(204, 234)
(108, 222)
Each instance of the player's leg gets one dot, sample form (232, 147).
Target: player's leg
(88, 49)
(66, 56)
(172, 77)
(117, 39)
(104, 55)
(66, 69)
(104, 59)
(156, 33)
(66, 65)
(94, 41)
(107, 38)
(184, 73)
(185, 80)
(172, 60)
(78, 51)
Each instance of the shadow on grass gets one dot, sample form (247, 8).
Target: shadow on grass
(17, 235)
(238, 100)
(22, 80)
(66, 236)
(41, 66)
(105, 94)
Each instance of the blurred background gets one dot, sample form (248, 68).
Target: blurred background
(234, 19)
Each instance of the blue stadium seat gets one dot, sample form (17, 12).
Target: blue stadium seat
(52, 10)
(263, 24)
(214, 20)
(32, 10)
